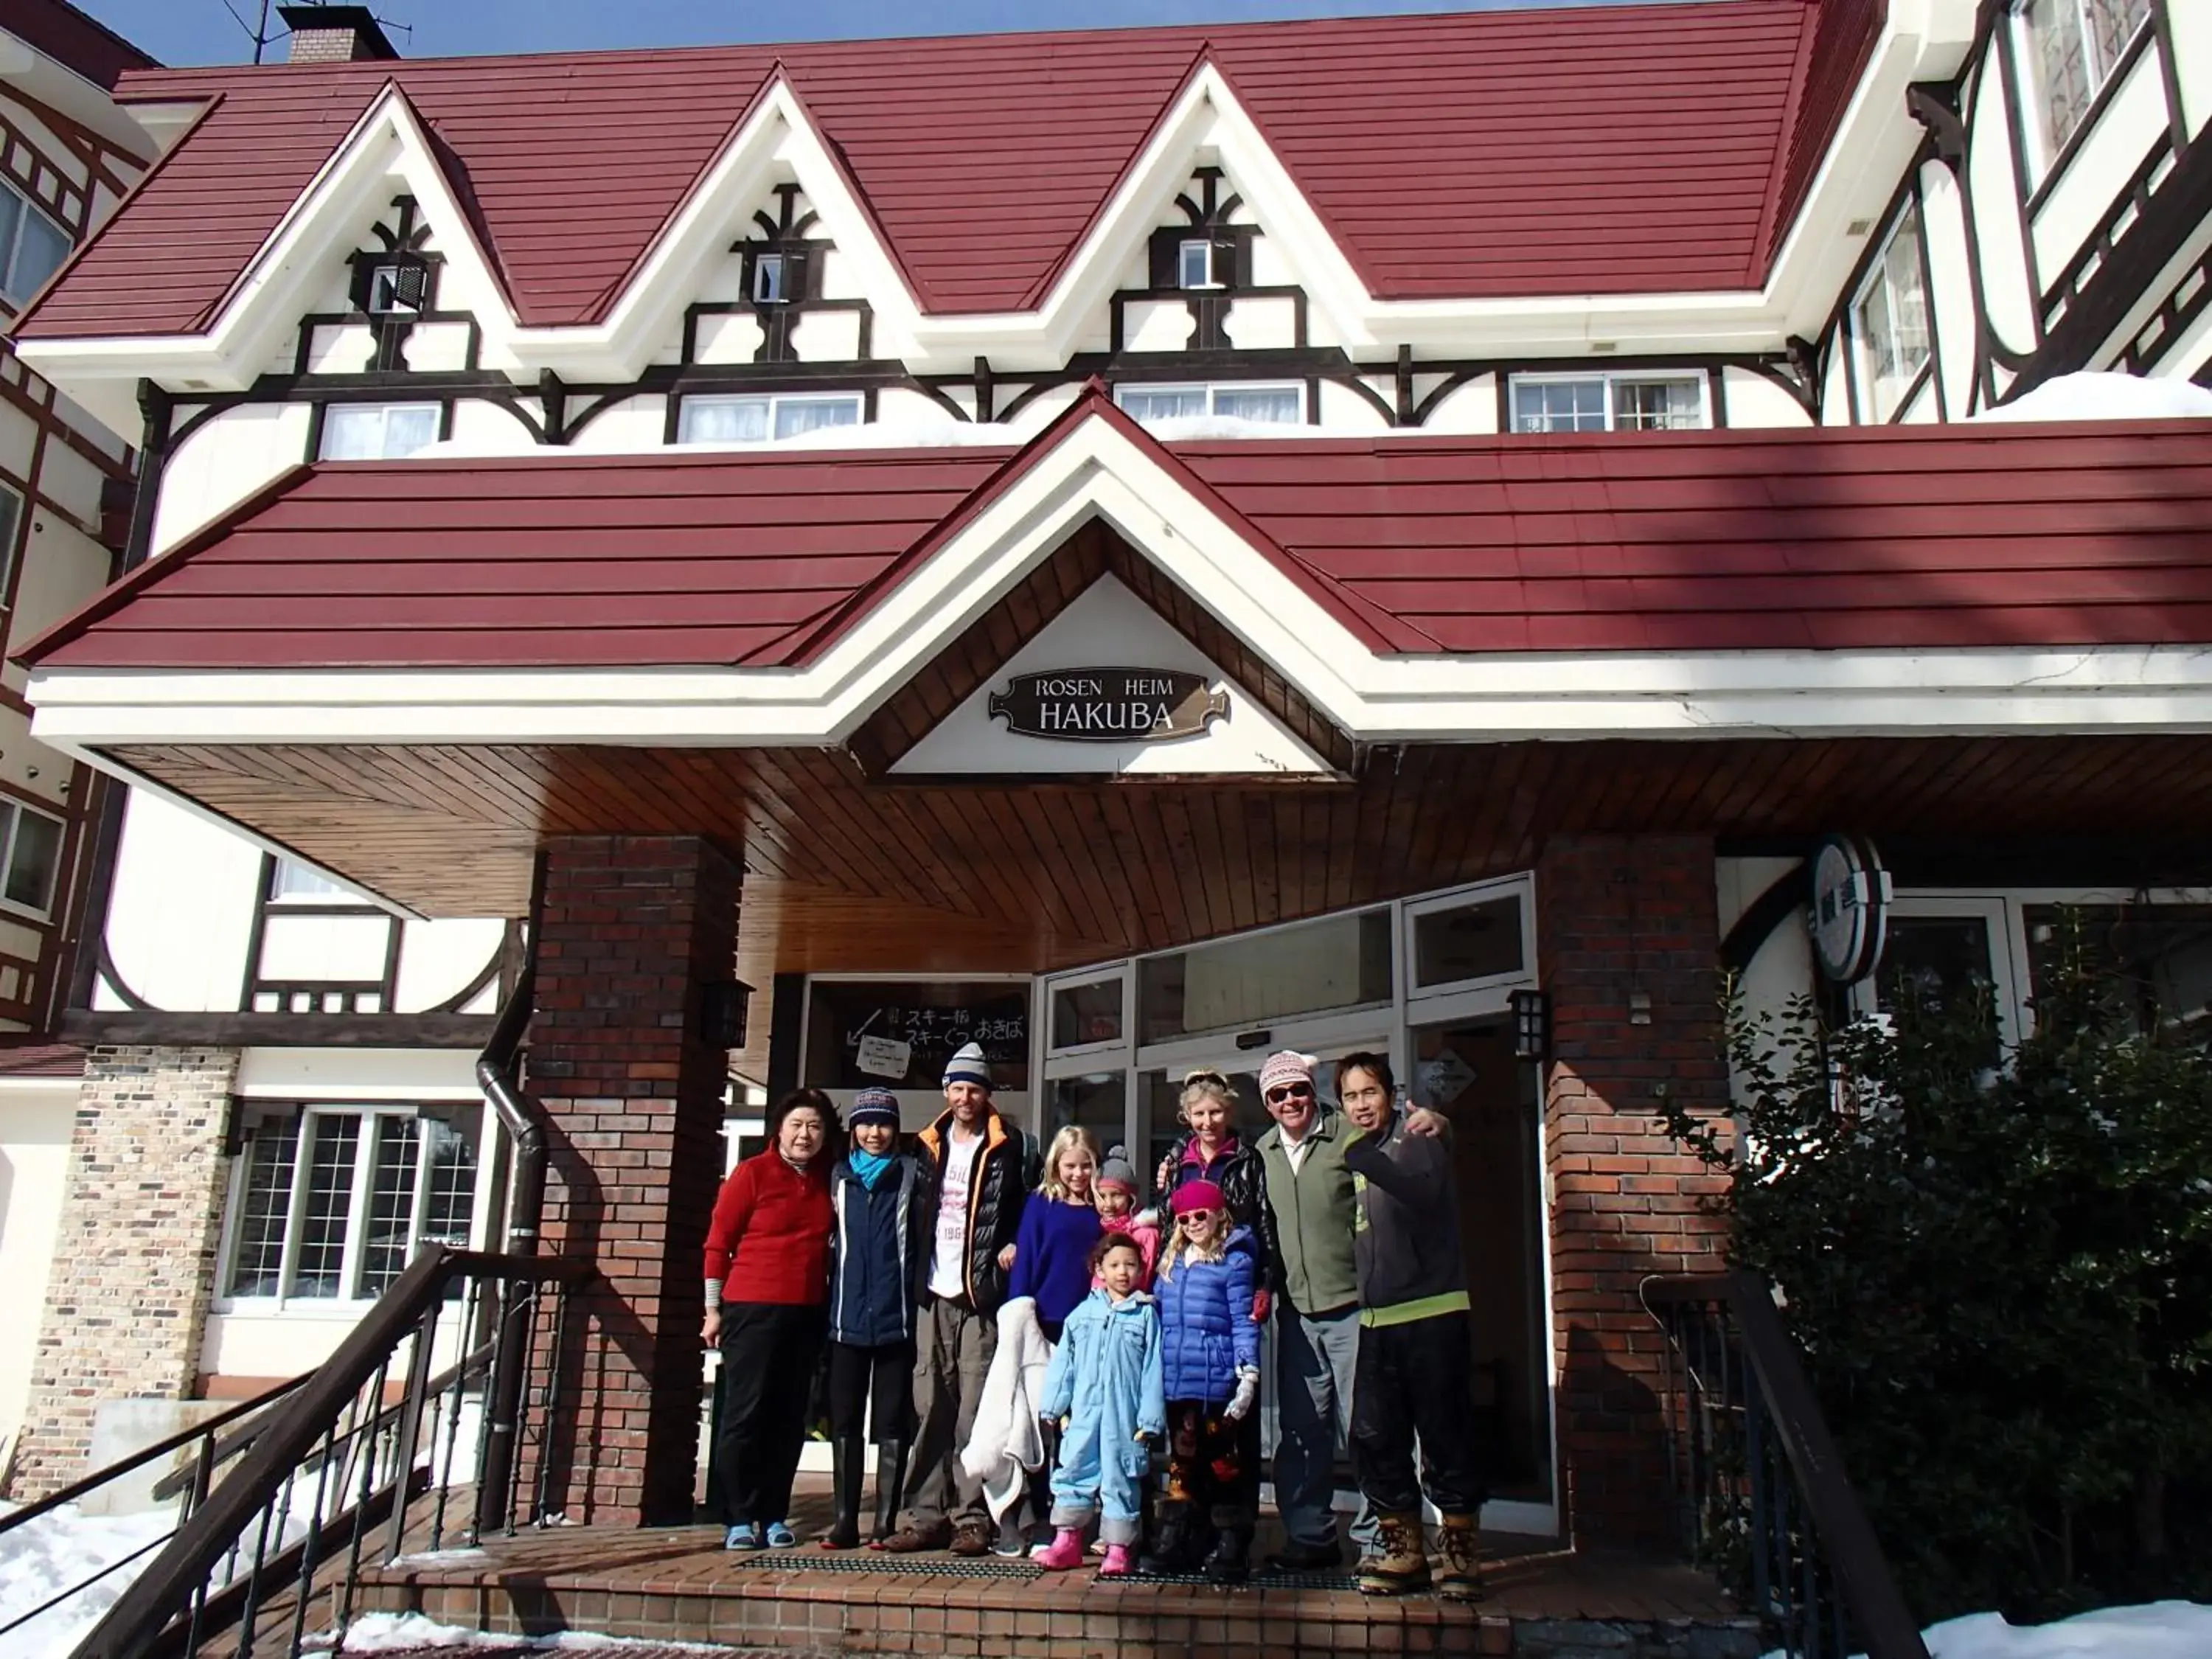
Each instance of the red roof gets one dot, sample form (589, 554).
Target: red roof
(42, 1059)
(1582, 150)
(1832, 538)
(69, 37)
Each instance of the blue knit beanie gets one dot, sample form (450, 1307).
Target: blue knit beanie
(969, 1066)
(873, 1105)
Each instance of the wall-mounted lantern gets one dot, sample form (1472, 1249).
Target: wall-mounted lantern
(722, 1006)
(1532, 1025)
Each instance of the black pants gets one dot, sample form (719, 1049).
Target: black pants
(871, 1385)
(1413, 1378)
(769, 1355)
(1214, 1464)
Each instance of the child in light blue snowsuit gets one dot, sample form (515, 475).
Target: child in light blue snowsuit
(1105, 1379)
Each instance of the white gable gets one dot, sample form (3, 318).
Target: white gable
(1107, 627)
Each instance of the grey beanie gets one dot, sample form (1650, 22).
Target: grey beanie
(969, 1066)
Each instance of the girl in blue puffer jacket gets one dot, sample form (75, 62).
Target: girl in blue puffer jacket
(1210, 1354)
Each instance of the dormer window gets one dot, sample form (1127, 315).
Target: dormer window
(398, 288)
(768, 280)
(1194, 263)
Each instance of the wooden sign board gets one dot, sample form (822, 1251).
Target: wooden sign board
(1109, 705)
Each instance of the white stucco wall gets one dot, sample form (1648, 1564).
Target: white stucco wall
(183, 909)
(224, 461)
(36, 1118)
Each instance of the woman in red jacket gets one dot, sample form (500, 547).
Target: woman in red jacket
(767, 1305)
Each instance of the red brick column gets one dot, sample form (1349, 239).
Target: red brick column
(632, 926)
(1620, 918)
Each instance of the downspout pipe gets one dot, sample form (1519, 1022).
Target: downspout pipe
(499, 1075)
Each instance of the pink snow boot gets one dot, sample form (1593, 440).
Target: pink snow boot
(1065, 1551)
(1116, 1564)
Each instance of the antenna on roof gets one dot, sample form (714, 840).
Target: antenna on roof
(257, 32)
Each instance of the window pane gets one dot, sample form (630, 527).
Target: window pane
(1656, 406)
(767, 279)
(11, 512)
(1162, 403)
(377, 432)
(1468, 941)
(1339, 961)
(1930, 962)
(2159, 954)
(299, 881)
(265, 1205)
(1558, 405)
(1098, 1102)
(723, 420)
(1893, 321)
(2077, 44)
(1283, 404)
(391, 1205)
(1086, 1013)
(334, 1139)
(12, 211)
(449, 1155)
(33, 860)
(1196, 263)
(409, 428)
(38, 255)
(796, 414)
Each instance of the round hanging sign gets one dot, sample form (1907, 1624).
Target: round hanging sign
(1850, 907)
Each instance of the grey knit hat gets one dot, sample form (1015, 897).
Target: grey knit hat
(969, 1066)
(1117, 1172)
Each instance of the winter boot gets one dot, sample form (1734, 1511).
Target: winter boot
(1116, 1564)
(1174, 1547)
(1461, 1579)
(1064, 1552)
(1231, 1563)
(1398, 1563)
(848, 1455)
(891, 1481)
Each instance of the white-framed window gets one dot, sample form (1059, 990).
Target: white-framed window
(1194, 263)
(332, 1202)
(1282, 405)
(1608, 402)
(768, 280)
(294, 882)
(2069, 49)
(31, 862)
(755, 420)
(32, 245)
(1889, 322)
(378, 432)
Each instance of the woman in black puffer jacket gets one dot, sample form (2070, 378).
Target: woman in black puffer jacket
(1211, 1151)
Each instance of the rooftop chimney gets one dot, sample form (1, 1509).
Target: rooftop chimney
(334, 34)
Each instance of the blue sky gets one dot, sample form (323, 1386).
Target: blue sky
(203, 31)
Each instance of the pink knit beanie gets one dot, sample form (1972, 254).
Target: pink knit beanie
(1285, 1065)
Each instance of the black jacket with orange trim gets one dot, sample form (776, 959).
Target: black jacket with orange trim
(996, 1193)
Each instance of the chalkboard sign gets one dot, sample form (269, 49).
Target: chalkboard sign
(901, 1035)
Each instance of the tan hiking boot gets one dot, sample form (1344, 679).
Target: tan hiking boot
(1398, 1563)
(919, 1535)
(1461, 1579)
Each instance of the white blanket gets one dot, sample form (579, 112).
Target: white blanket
(1006, 1444)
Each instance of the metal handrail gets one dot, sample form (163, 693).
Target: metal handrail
(218, 1524)
(1877, 1609)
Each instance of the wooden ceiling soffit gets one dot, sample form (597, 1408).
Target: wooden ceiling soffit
(1094, 551)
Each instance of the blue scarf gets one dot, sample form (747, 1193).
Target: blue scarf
(868, 1167)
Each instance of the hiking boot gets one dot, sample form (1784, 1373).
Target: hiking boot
(972, 1538)
(1231, 1562)
(1460, 1578)
(918, 1535)
(1398, 1564)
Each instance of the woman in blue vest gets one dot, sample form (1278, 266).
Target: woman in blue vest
(878, 1254)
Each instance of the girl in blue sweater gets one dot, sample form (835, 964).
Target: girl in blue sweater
(1210, 1351)
(1049, 1261)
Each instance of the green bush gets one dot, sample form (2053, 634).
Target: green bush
(1999, 1269)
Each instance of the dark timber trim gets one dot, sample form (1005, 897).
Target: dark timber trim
(2169, 72)
(150, 1026)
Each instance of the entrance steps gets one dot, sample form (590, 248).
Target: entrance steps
(678, 1585)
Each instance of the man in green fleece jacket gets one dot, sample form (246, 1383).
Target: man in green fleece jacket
(1413, 1368)
(1316, 1294)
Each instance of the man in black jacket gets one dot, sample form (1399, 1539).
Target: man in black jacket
(975, 1167)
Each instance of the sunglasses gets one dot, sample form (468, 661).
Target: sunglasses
(1277, 1096)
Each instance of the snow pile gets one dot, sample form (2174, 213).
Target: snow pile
(2163, 1630)
(2092, 397)
(41, 1558)
(412, 1632)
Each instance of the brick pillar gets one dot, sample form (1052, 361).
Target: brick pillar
(135, 1249)
(1618, 916)
(632, 926)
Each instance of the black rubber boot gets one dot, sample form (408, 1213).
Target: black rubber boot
(891, 1481)
(1175, 1547)
(1232, 1560)
(847, 1464)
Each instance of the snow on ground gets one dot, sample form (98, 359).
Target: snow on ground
(2162, 1630)
(412, 1632)
(2105, 396)
(43, 1557)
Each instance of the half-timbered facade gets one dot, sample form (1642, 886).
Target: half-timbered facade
(1133, 546)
